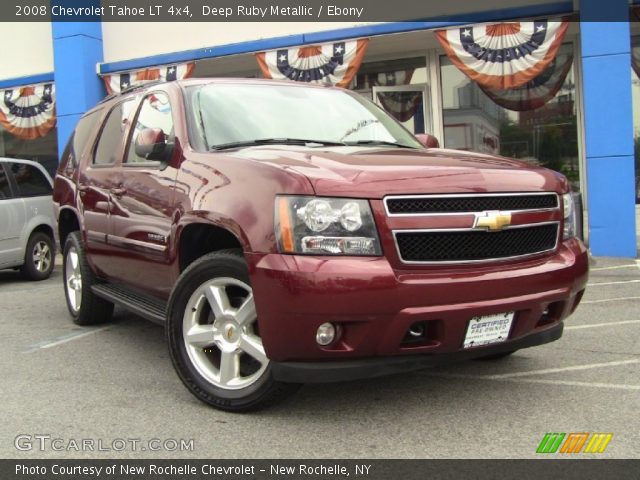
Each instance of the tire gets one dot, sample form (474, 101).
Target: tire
(39, 257)
(84, 306)
(222, 361)
(497, 356)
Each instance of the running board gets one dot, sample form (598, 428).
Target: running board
(143, 305)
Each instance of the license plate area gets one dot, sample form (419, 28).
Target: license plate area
(488, 329)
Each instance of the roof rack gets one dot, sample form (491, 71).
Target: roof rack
(130, 89)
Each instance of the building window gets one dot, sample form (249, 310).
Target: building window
(635, 90)
(537, 124)
(400, 88)
(43, 150)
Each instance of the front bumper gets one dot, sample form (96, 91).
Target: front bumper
(340, 371)
(375, 303)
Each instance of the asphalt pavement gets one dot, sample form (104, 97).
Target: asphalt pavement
(114, 385)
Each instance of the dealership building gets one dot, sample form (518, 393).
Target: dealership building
(574, 107)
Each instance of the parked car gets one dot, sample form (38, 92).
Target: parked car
(26, 218)
(286, 233)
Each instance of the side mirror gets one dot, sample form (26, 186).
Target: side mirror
(151, 144)
(429, 141)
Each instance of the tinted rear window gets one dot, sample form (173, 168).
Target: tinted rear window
(78, 141)
(31, 181)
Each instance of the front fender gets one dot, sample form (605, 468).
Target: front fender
(215, 220)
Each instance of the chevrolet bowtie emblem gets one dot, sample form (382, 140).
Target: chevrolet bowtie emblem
(492, 221)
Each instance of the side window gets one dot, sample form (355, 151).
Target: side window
(5, 190)
(155, 112)
(30, 180)
(112, 133)
(78, 141)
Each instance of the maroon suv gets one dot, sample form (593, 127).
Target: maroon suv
(286, 233)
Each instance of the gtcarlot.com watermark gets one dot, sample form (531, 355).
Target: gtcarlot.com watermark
(43, 442)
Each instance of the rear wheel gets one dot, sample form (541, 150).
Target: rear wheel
(38, 257)
(85, 307)
(214, 336)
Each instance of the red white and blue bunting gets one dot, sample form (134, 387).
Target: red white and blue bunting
(505, 55)
(537, 92)
(28, 112)
(117, 82)
(327, 64)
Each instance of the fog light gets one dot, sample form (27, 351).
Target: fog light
(326, 334)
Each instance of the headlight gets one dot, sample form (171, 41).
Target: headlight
(569, 230)
(325, 226)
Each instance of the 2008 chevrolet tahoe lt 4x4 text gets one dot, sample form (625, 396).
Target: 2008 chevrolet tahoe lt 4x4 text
(287, 233)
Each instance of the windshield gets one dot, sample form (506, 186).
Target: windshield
(228, 116)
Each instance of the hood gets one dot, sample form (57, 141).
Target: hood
(375, 172)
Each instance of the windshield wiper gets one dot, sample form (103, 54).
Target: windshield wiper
(378, 143)
(274, 141)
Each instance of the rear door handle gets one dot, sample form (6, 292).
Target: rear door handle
(118, 191)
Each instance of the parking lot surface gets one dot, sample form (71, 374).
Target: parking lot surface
(116, 382)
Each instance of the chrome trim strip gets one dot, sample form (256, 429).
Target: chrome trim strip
(468, 195)
(96, 236)
(137, 243)
(484, 260)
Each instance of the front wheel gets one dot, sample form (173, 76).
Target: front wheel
(214, 336)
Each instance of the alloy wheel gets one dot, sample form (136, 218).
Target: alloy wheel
(73, 279)
(220, 332)
(42, 256)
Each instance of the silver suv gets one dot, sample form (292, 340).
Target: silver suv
(26, 218)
